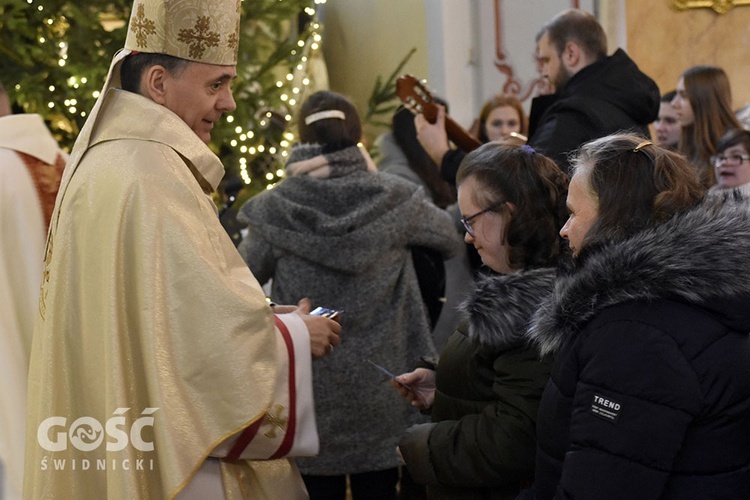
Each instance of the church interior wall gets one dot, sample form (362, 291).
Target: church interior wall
(469, 49)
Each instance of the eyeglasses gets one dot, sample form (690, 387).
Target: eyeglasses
(466, 221)
(731, 160)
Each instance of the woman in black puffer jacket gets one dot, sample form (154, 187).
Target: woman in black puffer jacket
(649, 396)
(488, 383)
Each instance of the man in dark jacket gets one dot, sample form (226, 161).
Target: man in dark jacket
(595, 95)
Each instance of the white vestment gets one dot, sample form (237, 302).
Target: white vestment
(22, 233)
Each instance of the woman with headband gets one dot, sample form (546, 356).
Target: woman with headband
(339, 232)
(649, 395)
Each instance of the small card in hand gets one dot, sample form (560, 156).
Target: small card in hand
(390, 374)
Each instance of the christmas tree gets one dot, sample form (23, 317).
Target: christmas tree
(54, 56)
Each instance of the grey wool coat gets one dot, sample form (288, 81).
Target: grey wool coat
(344, 241)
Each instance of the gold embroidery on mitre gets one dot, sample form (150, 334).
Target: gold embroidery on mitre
(233, 40)
(199, 37)
(142, 26)
(206, 31)
(275, 418)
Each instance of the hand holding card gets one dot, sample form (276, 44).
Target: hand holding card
(390, 374)
(418, 387)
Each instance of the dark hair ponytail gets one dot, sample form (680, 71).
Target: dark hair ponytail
(333, 134)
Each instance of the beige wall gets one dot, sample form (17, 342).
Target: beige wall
(665, 42)
(365, 39)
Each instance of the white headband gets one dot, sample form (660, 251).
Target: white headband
(322, 115)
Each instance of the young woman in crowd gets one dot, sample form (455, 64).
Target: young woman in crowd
(704, 107)
(649, 396)
(484, 393)
(732, 162)
(339, 232)
(501, 116)
(667, 128)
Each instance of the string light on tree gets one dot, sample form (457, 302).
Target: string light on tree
(59, 71)
(266, 156)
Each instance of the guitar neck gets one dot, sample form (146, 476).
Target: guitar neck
(459, 136)
(418, 99)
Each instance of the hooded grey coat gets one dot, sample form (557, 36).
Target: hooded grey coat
(344, 241)
(649, 395)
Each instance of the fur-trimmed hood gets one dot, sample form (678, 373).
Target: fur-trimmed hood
(701, 258)
(501, 306)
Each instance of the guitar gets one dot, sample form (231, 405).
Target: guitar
(418, 99)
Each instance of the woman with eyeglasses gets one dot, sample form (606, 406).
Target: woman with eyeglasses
(484, 393)
(732, 162)
(649, 396)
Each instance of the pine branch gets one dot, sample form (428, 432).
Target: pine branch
(383, 93)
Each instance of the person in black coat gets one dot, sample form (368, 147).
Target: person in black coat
(595, 95)
(649, 396)
(485, 391)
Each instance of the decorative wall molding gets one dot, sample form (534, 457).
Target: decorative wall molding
(719, 6)
(512, 84)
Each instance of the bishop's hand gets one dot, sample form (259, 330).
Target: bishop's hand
(324, 332)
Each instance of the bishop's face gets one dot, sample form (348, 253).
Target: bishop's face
(200, 94)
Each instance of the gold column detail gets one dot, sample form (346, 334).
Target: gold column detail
(719, 6)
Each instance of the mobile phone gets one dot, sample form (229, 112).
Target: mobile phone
(326, 313)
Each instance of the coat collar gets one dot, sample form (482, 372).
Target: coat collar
(501, 306)
(125, 115)
(701, 257)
